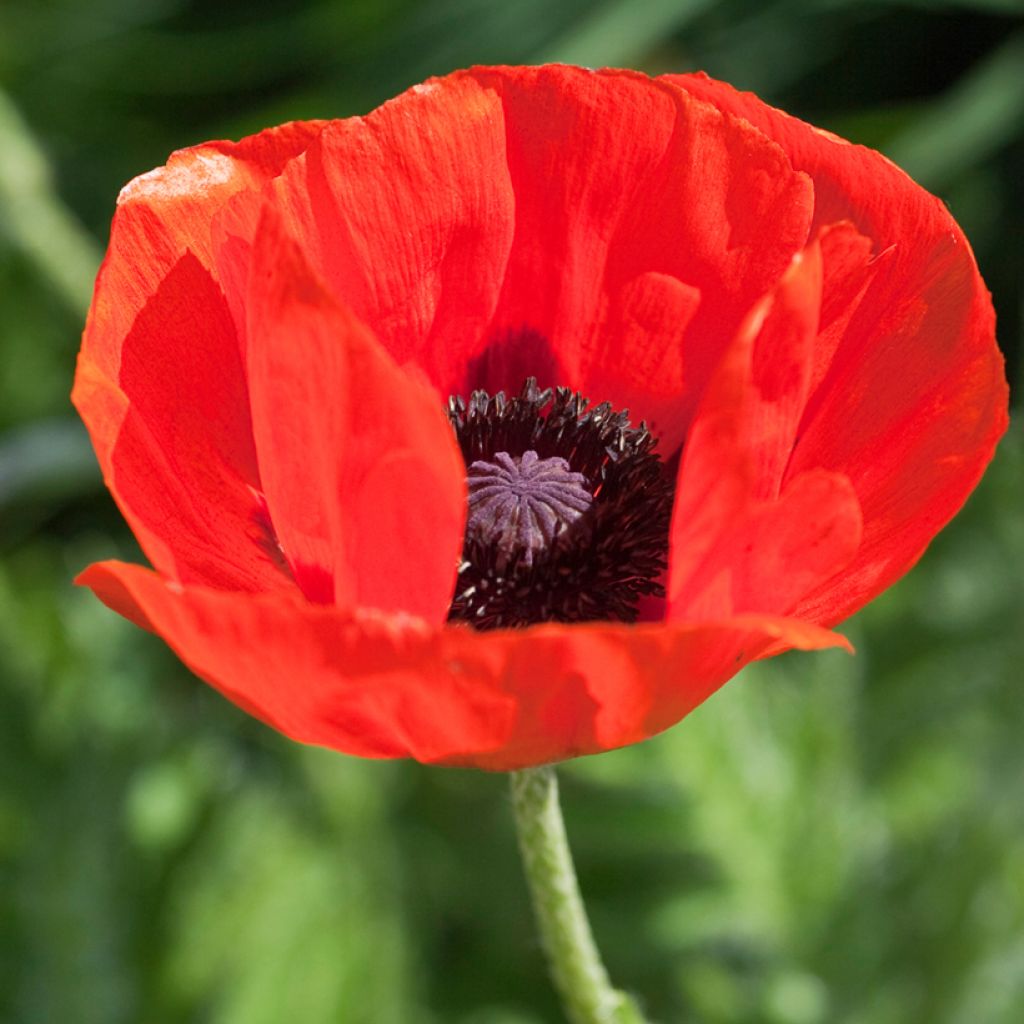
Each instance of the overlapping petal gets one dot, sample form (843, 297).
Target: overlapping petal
(391, 686)
(279, 321)
(592, 230)
(408, 215)
(362, 476)
(632, 198)
(160, 215)
(158, 289)
(746, 535)
(183, 462)
(922, 314)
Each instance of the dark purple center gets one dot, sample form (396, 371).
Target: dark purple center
(569, 509)
(521, 504)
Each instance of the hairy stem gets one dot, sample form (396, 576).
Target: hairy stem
(575, 964)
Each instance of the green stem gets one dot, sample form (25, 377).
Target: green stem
(573, 959)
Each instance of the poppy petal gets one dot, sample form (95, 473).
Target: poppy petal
(741, 539)
(364, 481)
(388, 686)
(376, 687)
(644, 359)
(589, 688)
(183, 466)
(913, 454)
(159, 216)
(408, 215)
(628, 194)
(505, 222)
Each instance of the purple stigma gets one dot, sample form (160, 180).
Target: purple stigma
(521, 505)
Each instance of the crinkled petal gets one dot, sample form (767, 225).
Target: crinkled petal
(376, 687)
(389, 686)
(364, 480)
(183, 465)
(408, 216)
(646, 225)
(745, 537)
(913, 397)
(160, 215)
(552, 222)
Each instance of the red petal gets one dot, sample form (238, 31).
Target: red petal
(552, 221)
(388, 686)
(595, 687)
(183, 467)
(910, 410)
(644, 358)
(630, 194)
(849, 267)
(375, 688)
(914, 397)
(363, 478)
(741, 539)
(850, 182)
(159, 215)
(408, 216)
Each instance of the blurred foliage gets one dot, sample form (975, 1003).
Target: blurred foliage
(829, 839)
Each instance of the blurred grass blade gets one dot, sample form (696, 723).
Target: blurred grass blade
(621, 32)
(48, 459)
(34, 218)
(989, 6)
(980, 115)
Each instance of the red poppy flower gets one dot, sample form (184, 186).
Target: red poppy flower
(290, 374)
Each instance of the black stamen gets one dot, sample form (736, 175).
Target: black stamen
(569, 510)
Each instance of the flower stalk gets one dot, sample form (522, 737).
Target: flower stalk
(573, 958)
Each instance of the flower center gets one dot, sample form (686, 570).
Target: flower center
(521, 505)
(569, 510)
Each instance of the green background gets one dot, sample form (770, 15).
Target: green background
(829, 839)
